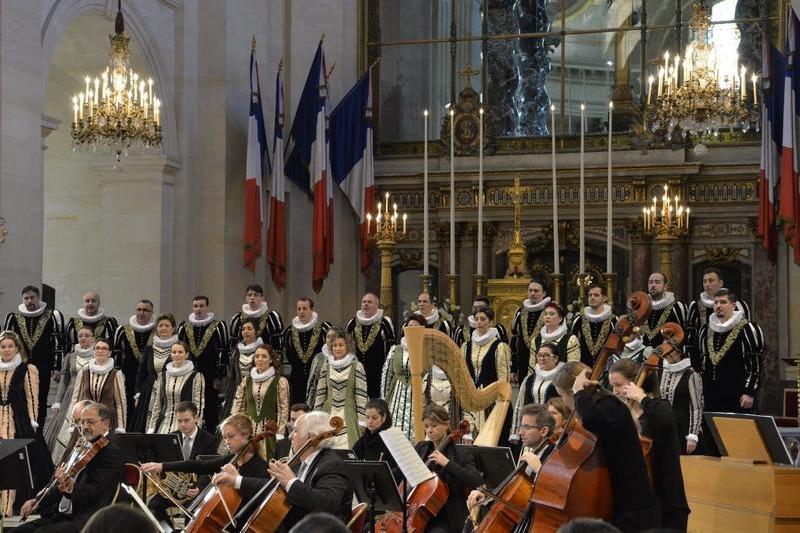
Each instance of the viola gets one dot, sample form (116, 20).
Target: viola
(272, 499)
(574, 481)
(426, 499)
(216, 504)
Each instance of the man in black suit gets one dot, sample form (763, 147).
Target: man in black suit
(76, 499)
(194, 441)
(284, 445)
(319, 485)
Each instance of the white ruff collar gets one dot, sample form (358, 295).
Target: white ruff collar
(374, 319)
(557, 334)
(547, 374)
(431, 320)
(471, 321)
(532, 307)
(438, 373)
(39, 310)
(634, 344)
(404, 343)
(604, 315)
(11, 365)
(489, 336)
(667, 299)
(708, 302)
(680, 366)
(300, 327)
(101, 313)
(139, 328)
(187, 367)
(101, 369)
(200, 323)
(258, 313)
(247, 349)
(165, 343)
(258, 378)
(83, 353)
(724, 327)
(339, 364)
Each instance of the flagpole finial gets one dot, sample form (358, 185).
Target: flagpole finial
(280, 65)
(253, 44)
(322, 38)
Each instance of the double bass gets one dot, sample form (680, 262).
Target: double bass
(426, 499)
(574, 480)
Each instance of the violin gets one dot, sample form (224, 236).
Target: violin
(273, 504)
(212, 512)
(74, 466)
(574, 480)
(426, 499)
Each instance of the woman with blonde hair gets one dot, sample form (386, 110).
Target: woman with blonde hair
(179, 382)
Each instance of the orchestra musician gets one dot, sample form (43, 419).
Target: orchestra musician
(370, 447)
(237, 430)
(67, 509)
(455, 466)
(635, 504)
(284, 446)
(559, 411)
(319, 485)
(657, 422)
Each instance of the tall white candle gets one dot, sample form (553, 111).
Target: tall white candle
(425, 201)
(480, 194)
(610, 189)
(582, 265)
(452, 194)
(556, 266)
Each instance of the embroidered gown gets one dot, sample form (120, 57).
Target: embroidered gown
(103, 327)
(667, 309)
(19, 406)
(173, 386)
(302, 342)
(264, 397)
(154, 358)
(104, 384)
(130, 341)
(239, 365)
(269, 329)
(682, 387)
(374, 338)
(56, 434)
(488, 360)
(592, 331)
(396, 388)
(568, 349)
(342, 391)
(537, 387)
(525, 327)
(700, 311)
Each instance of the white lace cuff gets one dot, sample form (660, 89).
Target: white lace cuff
(692, 437)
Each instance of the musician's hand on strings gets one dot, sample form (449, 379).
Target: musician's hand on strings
(532, 460)
(224, 478)
(439, 458)
(192, 492)
(582, 381)
(27, 508)
(633, 392)
(65, 485)
(475, 497)
(152, 468)
(59, 473)
(281, 472)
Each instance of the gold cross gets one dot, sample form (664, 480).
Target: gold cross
(467, 72)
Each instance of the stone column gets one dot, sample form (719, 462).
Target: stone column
(764, 308)
(443, 240)
(640, 261)
(681, 270)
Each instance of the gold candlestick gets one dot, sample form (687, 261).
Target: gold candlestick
(611, 283)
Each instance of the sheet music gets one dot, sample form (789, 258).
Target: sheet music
(406, 457)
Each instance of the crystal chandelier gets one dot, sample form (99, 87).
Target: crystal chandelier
(705, 93)
(118, 108)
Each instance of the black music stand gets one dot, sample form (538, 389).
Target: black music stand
(494, 462)
(15, 468)
(374, 483)
(346, 455)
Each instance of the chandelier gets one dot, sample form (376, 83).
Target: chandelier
(118, 108)
(704, 93)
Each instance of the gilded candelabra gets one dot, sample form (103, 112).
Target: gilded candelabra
(583, 281)
(389, 228)
(666, 222)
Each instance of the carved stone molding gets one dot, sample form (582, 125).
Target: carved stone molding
(723, 254)
(722, 229)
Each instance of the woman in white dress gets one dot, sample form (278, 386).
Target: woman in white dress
(240, 363)
(155, 357)
(554, 329)
(342, 388)
(537, 387)
(396, 381)
(101, 382)
(179, 382)
(74, 362)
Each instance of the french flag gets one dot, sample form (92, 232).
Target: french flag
(256, 157)
(276, 239)
(351, 155)
(789, 203)
(770, 150)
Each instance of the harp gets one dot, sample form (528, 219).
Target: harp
(428, 347)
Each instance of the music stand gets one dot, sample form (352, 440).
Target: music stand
(748, 437)
(494, 462)
(15, 468)
(346, 455)
(374, 483)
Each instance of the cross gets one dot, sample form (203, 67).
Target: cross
(467, 72)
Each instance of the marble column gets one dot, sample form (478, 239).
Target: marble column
(681, 270)
(467, 256)
(640, 262)
(764, 307)
(443, 240)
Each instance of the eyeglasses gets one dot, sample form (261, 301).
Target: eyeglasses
(101, 348)
(526, 427)
(546, 356)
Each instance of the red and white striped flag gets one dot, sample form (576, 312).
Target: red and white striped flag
(256, 154)
(276, 239)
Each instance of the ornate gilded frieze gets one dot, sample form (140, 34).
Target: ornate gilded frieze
(729, 191)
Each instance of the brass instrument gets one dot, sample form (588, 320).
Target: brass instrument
(164, 491)
(176, 483)
(428, 347)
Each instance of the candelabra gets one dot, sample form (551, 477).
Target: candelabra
(665, 222)
(387, 232)
(583, 281)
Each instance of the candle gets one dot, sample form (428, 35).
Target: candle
(644, 217)
(582, 264)
(87, 79)
(74, 109)
(687, 218)
(610, 189)
(649, 88)
(405, 216)
(80, 109)
(743, 82)
(425, 200)
(369, 221)
(96, 89)
(755, 93)
(452, 194)
(660, 81)
(480, 193)
(556, 265)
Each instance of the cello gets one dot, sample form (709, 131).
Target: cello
(511, 498)
(216, 504)
(574, 480)
(426, 499)
(273, 500)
